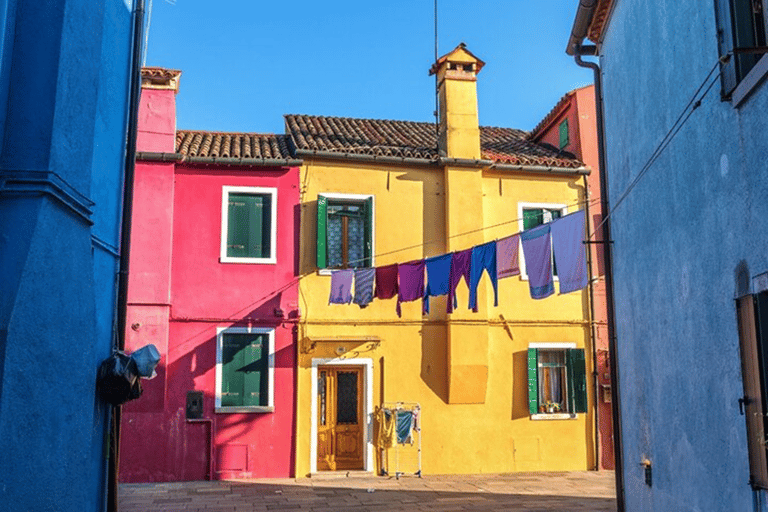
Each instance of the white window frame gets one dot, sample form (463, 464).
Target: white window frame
(225, 191)
(354, 197)
(520, 207)
(555, 416)
(270, 407)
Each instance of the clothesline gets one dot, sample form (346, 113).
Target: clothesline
(484, 228)
(498, 258)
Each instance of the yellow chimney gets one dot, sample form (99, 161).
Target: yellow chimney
(459, 135)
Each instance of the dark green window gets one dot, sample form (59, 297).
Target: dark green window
(533, 217)
(564, 134)
(244, 369)
(557, 381)
(344, 232)
(741, 29)
(249, 225)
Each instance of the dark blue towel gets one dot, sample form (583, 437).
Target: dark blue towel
(438, 277)
(483, 258)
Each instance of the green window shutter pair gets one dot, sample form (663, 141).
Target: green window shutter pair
(245, 370)
(248, 225)
(577, 380)
(564, 140)
(322, 232)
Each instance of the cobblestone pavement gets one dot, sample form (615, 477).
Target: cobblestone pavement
(577, 491)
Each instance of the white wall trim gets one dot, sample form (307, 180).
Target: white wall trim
(553, 345)
(367, 364)
(270, 407)
(750, 82)
(225, 191)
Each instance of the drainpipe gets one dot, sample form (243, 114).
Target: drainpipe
(125, 236)
(578, 52)
(593, 332)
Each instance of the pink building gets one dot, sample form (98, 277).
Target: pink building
(213, 285)
(571, 126)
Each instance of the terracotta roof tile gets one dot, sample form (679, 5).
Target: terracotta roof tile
(599, 19)
(233, 145)
(406, 139)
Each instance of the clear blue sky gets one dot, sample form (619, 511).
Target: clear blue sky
(246, 63)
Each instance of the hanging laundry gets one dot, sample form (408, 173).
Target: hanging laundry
(386, 437)
(386, 281)
(341, 286)
(438, 277)
(364, 286)
(537, 250)
(483, 258)
(404, 427)
(508, 257)
(570, 253)
(460, 266)
(410, 278)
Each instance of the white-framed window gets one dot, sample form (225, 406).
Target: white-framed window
(248, 225)
(557, 380)
(741, 31)
(245, 369)
(531, 215)
(345, 231)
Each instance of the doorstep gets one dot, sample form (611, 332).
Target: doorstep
(335, 475)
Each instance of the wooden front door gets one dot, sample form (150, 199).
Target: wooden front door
(340, 421)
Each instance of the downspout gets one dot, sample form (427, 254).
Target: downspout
(125, 236)
(577, 53)
(593, 332)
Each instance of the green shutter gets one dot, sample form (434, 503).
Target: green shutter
(533, 381)
(245, 370)
(577, 380)
(256, 371)
(322, 231)
(564, 134)
(248, 226)
(368, 248)
(532, 217)
(231, 378)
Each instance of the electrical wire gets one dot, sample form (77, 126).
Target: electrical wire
(685, 114)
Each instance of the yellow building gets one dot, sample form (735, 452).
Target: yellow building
(391, 192)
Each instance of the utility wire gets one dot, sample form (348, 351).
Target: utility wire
(693, 104)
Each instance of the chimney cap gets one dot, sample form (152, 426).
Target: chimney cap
(160, 78)
(460, 55)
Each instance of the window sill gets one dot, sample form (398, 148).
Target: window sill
(247, 410)
(750, 82)
(249, 261)
(329, 271)
(554, 416)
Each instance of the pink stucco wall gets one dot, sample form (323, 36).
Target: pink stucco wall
(579, 109)
(179, 294)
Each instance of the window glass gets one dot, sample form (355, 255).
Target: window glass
(346, 407)
(552, 380)
(344, 232)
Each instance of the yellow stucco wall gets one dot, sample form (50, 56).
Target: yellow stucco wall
(413, 360)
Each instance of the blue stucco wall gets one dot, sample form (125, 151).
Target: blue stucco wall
(679, 238)
(65, 79)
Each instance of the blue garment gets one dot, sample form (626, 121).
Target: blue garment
(438, 277)
(364, 286)
(404, 426)
(570, 253)
(483, 258)
(537, 250)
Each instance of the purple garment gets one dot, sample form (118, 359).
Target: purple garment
(341, 287)
(410, 278)
(570, 254)
(508, 257)
(460, 266)
(537, 250)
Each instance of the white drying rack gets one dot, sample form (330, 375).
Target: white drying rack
(394, 407)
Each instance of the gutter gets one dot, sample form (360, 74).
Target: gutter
(125, 240)
(444, 161)
(578, 33)
(179, 158)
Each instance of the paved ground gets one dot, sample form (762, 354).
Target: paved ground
(578, 491)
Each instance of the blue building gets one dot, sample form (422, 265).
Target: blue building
(686, 115)
(65, 83)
